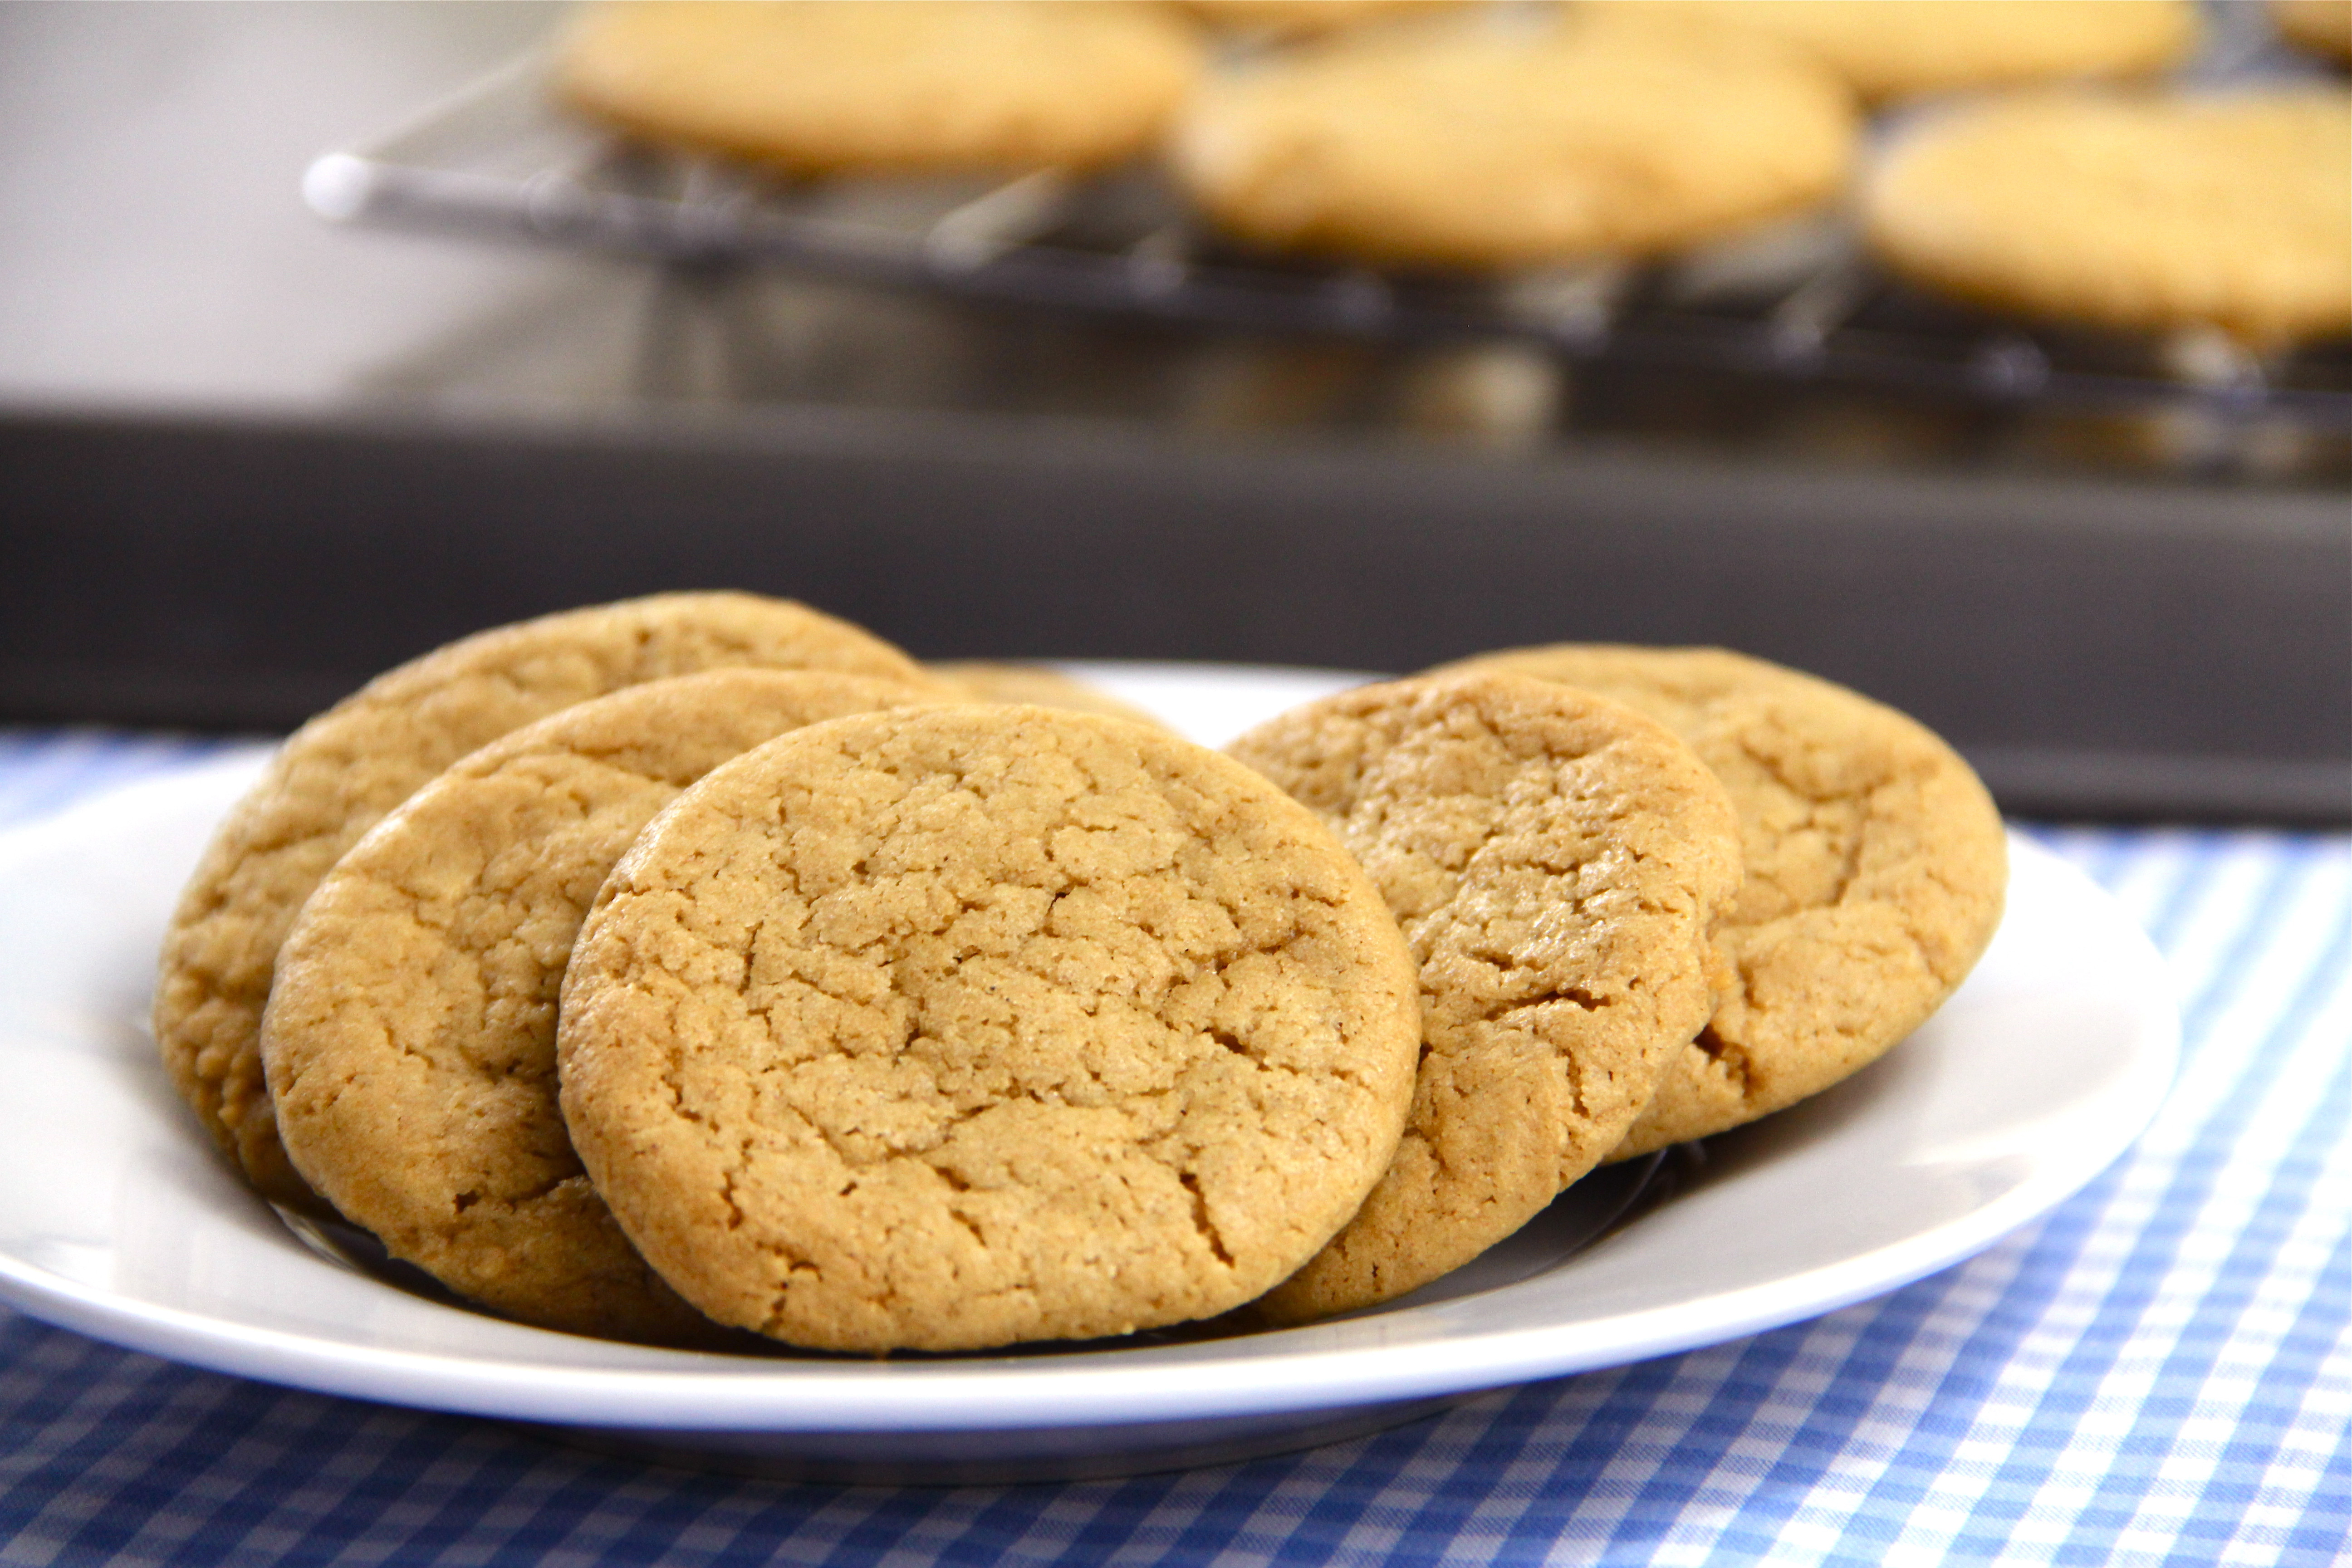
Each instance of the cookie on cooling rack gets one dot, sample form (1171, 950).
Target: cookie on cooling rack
(824, 87)
(410, 1038)
(2137, 212)
(963, 1026)
(339, 774)
(1895, 49)
(1471, 148)
(1876, 869)
(1555, 861)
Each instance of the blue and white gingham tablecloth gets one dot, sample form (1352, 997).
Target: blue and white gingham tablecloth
(2161, 1372)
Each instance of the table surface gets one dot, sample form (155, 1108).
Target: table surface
(2160, 1372)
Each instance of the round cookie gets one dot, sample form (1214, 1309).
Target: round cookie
(410, 1036)
(1894, 49)
(964, 1026)
(1876, 869)
(1040, 684)
(1463, 148)
(1556, 861)
(339, 774)
(2138, 213)
(819, 86)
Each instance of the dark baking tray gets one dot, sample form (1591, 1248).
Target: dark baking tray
(2100, 649)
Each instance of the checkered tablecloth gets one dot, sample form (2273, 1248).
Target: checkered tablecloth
(2161, 1372)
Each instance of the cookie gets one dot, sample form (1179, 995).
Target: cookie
(963, 1026)
(2324, 26)
(341, 772)
(1556, 860)
(410, 1036)
(1466, 148)
(1876, 869)
(2143, 213)
(1895, 49)
(983, 682)
(822, 87)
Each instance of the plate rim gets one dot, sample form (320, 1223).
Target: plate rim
(721, 1392)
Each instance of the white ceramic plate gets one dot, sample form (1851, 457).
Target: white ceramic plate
(117, 1219)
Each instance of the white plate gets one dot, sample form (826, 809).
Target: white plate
(117, 1219)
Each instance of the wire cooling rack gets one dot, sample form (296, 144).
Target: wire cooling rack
(1798, 303)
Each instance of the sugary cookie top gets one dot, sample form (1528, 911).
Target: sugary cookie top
(955, 1027)
(827, 86)
(1555, 861)
(1466, 148)
(2140, 211)
(1876, 869)
(410, 1036)
(339, 774)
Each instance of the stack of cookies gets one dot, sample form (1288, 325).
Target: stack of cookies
(1421, 134)
(701, 963)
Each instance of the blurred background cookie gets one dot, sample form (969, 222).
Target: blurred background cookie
(1894, 49)
(2138, 212)
(827, 85)
(1470, 147)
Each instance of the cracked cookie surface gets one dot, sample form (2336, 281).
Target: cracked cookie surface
(1875, 870)
(964, 1025)
(410, 1036)
(1555, 861)
(339, 774)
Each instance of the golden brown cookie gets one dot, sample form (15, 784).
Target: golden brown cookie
(2324, 26)
(1894, 48)
(1470, 149)
(341, 772)
(1042, 684)
(964, 1026)
(2144, 213)
(820, 87)
(410, 1036)
(1876, 871)
(1556, 861)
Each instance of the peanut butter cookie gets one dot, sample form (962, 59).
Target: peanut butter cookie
(1461, 148)
(341, 772)
(1894, 49)
(820, 87)
(956, 1027)
(2142, 213)
(1876, 871)
(1556, 860)
(410, 1036)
